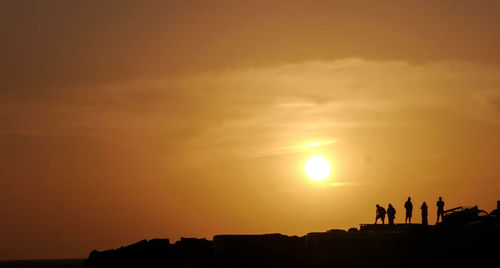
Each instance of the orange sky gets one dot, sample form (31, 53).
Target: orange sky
(122, 120)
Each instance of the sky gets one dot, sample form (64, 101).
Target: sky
(127, 120)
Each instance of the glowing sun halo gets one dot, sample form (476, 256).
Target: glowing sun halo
(317, 168)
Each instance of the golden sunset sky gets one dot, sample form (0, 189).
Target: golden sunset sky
(129, 120)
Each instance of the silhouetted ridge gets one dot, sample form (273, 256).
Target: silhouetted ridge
(466, 237)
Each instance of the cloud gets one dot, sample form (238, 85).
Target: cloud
(261, 111)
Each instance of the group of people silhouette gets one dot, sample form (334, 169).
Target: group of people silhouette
(391, 212)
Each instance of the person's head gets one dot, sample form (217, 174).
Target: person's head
(440, 198)
(390, 205)
(424, 203)
(378, 206)
(409, 198)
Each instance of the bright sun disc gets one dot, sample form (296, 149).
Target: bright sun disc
(317, 168)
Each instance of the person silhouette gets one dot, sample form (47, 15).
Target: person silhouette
(424, 213)
(391, 214)
(409, 209)
(440, 211)
(380, 214)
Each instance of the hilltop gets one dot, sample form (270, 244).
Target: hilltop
(467, 236)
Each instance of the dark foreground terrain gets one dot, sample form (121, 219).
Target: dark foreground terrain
(467, 238)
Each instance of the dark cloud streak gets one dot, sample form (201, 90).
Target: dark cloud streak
(66, 43)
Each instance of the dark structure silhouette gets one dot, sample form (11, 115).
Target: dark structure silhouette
(380, 214)
(440, 209)
(467, 237)
(496, 212)
(391, 214)
(409, 210)
(424, 214)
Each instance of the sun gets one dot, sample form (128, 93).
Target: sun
(317, 168)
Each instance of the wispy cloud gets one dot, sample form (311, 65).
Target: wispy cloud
(262, 111)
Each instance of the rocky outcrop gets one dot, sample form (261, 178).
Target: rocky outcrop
(463, 241)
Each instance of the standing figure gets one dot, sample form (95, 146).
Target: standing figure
(409, 209)
(440, 205)
(391, 214)
(380, 214)
(424, 213)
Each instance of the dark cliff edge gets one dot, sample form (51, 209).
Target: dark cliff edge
(465, 238)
